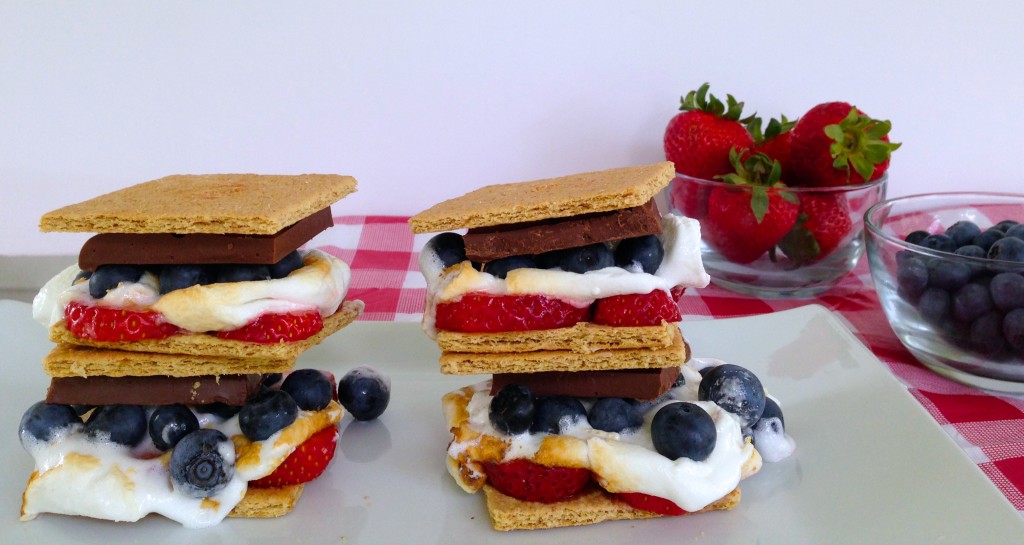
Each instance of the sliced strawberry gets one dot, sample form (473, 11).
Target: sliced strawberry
(306, 463)
(483, 313)
(106, 324)
(636, 310)
(654, 504)
(677, 293)
(527, 481)
(277, 328)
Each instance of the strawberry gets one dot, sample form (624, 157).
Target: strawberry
(277, 328)
(774, 141)
(484, 313)
(307, 462)
(106, 324)
(527, 481)
(836, 144)
(823, 222)
(636, 310)
(748, 217)
(654, 504)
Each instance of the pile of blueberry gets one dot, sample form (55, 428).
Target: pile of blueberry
(976, 299)
(680, 429)
(634, 254)
(176, 277)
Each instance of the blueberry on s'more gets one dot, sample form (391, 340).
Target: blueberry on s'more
(565, 291)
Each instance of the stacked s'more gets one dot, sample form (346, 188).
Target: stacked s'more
(565, 291)
(172, 385)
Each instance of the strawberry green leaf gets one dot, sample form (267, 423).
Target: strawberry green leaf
(759, 202)
(800, 246)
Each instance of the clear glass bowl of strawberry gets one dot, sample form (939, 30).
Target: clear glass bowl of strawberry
(804, 242)
(949, 272)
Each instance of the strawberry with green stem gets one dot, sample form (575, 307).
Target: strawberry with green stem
(749, 216)
(835, 144)
(774, 139)
(822, 224)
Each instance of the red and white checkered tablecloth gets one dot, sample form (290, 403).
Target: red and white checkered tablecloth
(989, 428)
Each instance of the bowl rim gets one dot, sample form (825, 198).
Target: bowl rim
(876, 230)
(881, 180)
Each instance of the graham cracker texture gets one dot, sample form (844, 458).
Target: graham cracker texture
(199, 344)
(267, 502)
(590, 507)
(246, 204)
(466, 363)
(561, 197)
(69, 360)
(581, 338)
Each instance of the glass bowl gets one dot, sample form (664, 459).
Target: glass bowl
(798, 265)
(960, 315)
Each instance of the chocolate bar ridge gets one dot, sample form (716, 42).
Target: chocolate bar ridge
(642, 384)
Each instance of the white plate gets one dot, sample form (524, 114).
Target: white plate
(871, 466)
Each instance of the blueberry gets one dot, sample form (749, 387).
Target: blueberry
(640, 253)
(365, 392)
(915, 237)
(975, 251)
(939, 242)
(218, 409)
(683, 430)
(512, 409)
(501, 267)
(987, 238)
(310, 389)
(555, 414)
(287, 264)
(121, 424)
(935, 305)
(270, 379)
(1007, 290)
(1004, 225)
(615, 414)
(449, 248)
(587, 258)
(81, 276)
(1016, 231)
(963, 232)
(1005, 249)
(266, 414)
(948, 274)
(734, 389)
(108, 277)
(44, 420)
(771, 411)
(548, 260)
(971, 301)
(176, 277)
(1013, 329)
(82, 409)
(912, 277)
(986, 334)
(242, 273)
(202, 463)
(169, 423)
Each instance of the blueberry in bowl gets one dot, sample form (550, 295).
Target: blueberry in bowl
(949, 272)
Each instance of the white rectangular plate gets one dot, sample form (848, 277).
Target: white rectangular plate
(870, 467)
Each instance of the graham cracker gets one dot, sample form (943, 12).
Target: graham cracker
(267, 502)
(69, 360)
(467, 363)
(560, 197)
(247, 204)
(589, 507)
(581, 338)
(201, 344)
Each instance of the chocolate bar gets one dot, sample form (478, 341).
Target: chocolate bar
(530, 238)
(155, 390)
(643, 384)
(200, 248)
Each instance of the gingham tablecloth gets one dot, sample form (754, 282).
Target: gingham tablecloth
(989, 428)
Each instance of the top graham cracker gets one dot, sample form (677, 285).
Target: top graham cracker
(561, 197)
(238, 204)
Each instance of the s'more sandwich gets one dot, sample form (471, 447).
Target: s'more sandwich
(172, 385)
(565, 291)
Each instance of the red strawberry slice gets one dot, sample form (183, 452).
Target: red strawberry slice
(637, 310)
(654, 504)
(483, 313)
(823, 223)
(306, 463)
(106, 324)
(527, 481)
(277, 328)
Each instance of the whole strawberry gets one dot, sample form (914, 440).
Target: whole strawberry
(823, 222)
(836, 144)
(774, 140)
(748, 217)
(698, 140)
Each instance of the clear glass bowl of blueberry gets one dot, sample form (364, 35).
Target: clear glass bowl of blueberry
(949, 271)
